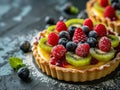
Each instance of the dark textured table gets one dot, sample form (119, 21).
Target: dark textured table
(20, 20)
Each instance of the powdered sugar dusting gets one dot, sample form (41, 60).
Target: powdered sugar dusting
(110, 82)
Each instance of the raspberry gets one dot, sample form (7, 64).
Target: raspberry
(110, 13)
(117, 48)
(53, 60)
(103, 3)
(58, 51)
(104, 44)
(79, 35)
(88, 22)
(93, 61)
(61, 26)
(53, 39)
(101, 30)
(82, 50)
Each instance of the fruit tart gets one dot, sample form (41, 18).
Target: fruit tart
(106, 12)
(77, 50)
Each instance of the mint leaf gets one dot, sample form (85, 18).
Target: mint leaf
(16, 63)
(74, 10)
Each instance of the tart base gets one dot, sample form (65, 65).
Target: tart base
(111, 24)
(74, 75)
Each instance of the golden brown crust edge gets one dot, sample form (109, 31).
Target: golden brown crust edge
(74, 75)
(112, 24)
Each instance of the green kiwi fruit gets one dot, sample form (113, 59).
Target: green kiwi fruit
(114, 40)
(43, 44)
(71, 22)
(75, 60)
(50, 29)
(102, 56)
(98, 7)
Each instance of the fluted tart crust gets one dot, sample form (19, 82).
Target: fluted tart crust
(71, 74)
(114, 25)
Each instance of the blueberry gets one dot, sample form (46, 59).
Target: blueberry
(71, 30)
(25, 46)
(116, 6)
(71, 46)
(67, 7)
(63, 41)
(49, 20)
(92, 41)
(93, 34)
(85, 29)
(64, 34)
(112, 1)
(81, 42)
(23, 73)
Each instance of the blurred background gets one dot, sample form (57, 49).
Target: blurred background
(21, 16)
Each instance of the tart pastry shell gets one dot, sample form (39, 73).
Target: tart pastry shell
(115, 26)
(70, 74)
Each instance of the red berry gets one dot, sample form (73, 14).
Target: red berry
(61, 26)
(109, 12)
(59, 63)
(104, 44)
(88, 22)
(93, 61)
(82, 50)
(117, 48)
(103, 3)
(53, 39)
(79, 35)
(64, 62)
(53, 60)
(101, 30)
(58, 51)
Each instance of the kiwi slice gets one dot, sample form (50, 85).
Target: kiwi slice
(102, 56)
(77, 22)
(43, 44)
(98, 7)
(114, 40)
(50, 29)
(75, 60)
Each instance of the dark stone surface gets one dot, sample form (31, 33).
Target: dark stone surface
(20, 20)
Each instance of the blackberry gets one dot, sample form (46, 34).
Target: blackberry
(64, 34)
(92, 41)
(71, 46)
